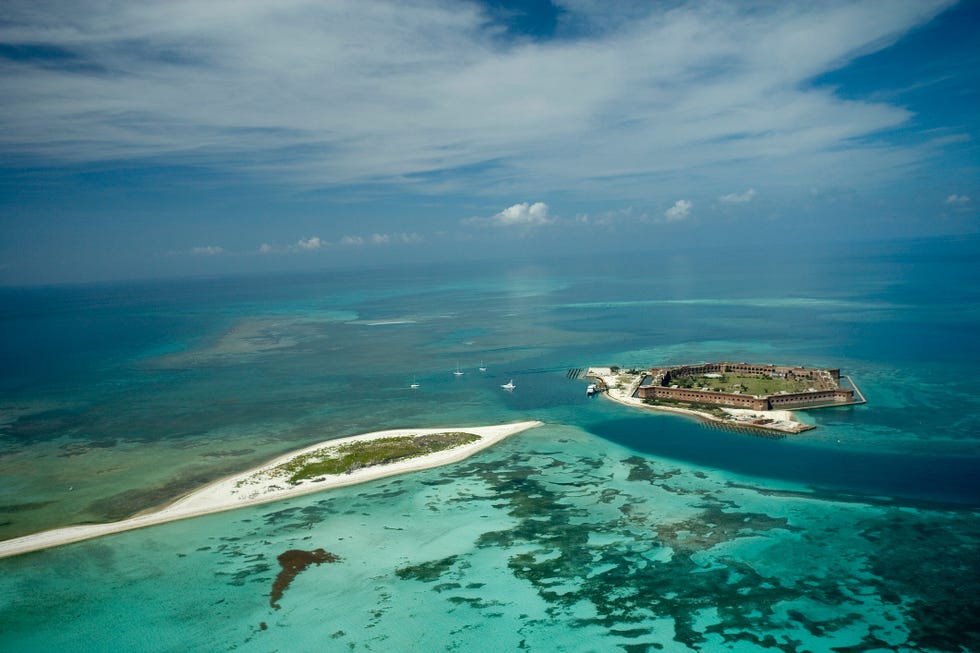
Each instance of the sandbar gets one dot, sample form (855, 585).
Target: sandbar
(262, 485)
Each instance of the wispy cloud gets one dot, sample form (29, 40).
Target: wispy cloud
(395, 238)
(679, 211)
(314, 243)
(957, 200)
(207, 250)
(739, 198)
(612, 217)
(427, 96)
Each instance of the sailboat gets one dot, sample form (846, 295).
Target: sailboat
(415, 384)
(482, 367)
(458, 371)
(509, 385)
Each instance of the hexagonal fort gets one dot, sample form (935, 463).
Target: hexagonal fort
(751, 386)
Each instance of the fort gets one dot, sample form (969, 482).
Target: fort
(745, 397)
(750, 386)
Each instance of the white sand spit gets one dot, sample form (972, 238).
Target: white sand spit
(264, 484)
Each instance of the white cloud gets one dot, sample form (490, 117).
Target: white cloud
(958, 199)
(679, 211)
(265, 248)
(739, 198)
(309, 244)
(352, 241)
(387, 92)
(207, 250)
(518, 215)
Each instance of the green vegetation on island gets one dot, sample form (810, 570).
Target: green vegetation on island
(748, 384)
(346, 458)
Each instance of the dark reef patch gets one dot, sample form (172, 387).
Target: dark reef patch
(630, 565)
(641, 469)
(292, 563)
(427, 572)
(70, 449)
(40, 427)
(714, 526)
(932, 568)
(24, 507)
(227, 453)
(300, 518)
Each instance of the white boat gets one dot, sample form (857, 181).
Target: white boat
(415, 384)
(482, 367)
(591, 390)
(509, 385)
(458, 371)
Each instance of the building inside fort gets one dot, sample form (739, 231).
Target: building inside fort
(821, 386)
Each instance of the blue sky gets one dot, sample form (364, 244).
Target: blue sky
(167, 139)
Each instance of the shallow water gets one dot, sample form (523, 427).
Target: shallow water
(551, 541)
(608, 529)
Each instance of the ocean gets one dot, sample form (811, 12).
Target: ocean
(609, 528)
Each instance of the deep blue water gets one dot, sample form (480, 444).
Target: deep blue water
(895, 476)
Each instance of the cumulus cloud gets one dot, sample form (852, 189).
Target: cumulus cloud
(309, 244)
(207, 250)
(352, 241)
(958, 199)
(679, 211)
(265, 248)
(518, 215)
(739, 198)
(523, 214)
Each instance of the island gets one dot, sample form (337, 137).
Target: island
(326, 465)
(744, 396)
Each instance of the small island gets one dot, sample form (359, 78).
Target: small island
(329, 464)
(744, 395)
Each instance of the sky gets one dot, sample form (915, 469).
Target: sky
(144, 140)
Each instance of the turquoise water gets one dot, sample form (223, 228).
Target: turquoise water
(607, 529)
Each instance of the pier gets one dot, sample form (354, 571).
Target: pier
(744, 429)
(854, 387)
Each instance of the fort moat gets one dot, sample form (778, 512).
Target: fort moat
(746, 395)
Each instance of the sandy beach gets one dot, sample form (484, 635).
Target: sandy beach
(264, 484)
(621, 386)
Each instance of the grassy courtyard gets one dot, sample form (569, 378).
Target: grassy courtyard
(746, 384)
